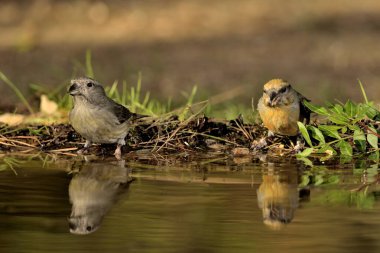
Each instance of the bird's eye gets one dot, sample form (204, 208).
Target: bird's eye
(90, 85)
(283, 89)
(265, 91)
(88, 228)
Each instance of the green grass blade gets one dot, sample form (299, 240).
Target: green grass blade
(189, 103)
(363, 92)
(16, 91)
(89, 69)
(124, 93)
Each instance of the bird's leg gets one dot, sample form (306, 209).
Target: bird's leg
(118, 151)
(85, 148)
(120, 143)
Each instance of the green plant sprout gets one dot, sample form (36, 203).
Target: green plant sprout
(351, 128)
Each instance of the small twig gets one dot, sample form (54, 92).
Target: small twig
(368, 129)
(181, 125)
(212, 137)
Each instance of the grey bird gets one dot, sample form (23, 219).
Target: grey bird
(97, 117)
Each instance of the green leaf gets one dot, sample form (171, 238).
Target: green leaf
(338, 109)
(360, 164)
(339, 119)
(326, 148)
(317, 109)
(374, 156)
(360, 140)
(372, 139)
(333, 179)
(317, 134)
(344, 159)
(331, 131)
(318, 180)
(304, 133)
(325, 158)
(306, 161)
(305, 153)
(345, 148)
(371, 112)
(305, 180)
(353, 127)
(350, 108)
(362, 112)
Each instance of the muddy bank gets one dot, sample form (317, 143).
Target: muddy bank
(162, 136)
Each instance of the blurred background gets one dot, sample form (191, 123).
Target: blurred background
(322, 47)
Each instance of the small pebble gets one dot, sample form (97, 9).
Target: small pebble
(240, 151)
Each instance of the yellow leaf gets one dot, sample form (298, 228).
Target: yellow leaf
(47, 106)
(12, 119)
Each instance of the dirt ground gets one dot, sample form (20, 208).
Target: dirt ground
(322, 47)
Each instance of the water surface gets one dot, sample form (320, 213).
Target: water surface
(74, 205)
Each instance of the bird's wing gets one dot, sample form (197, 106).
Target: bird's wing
(304, 111)
(121, 112)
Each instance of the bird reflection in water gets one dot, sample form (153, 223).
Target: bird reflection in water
(278, 196)
(93, 191)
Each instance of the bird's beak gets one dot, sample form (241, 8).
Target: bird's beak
(272, 98)
(73, 90)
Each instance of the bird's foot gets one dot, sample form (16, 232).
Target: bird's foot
(117, 153)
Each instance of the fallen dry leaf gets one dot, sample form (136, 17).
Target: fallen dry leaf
(12, 119)
(47, 106)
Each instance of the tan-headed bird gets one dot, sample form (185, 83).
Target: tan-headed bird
(97, 117)
(281, 107)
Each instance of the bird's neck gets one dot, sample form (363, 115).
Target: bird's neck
(82, 100)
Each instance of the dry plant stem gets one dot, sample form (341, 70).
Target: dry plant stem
(12, 142)
(63, 150)
(181, 125)
(244, 131)
(369, 129)
(212, 137)
(377, 181)
(28, 150)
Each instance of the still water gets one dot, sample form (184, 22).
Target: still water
(50, 204)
